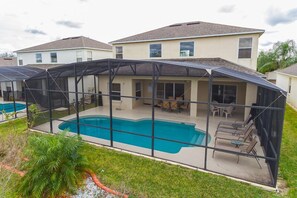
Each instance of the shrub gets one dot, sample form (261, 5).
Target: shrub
(56, 166)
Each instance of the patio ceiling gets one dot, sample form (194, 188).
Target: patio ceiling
(165, 68)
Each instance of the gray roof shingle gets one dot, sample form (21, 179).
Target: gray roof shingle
(71, 42)
(291, 70)
(188, 30)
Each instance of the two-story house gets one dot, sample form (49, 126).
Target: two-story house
(206, 43)
(63, 51)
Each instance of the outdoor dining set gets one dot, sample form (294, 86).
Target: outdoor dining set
(221, 110)
(174, 105)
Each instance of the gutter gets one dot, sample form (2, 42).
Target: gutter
(62, 49)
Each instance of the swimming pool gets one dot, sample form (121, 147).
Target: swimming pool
(181, 132)
(8, 107)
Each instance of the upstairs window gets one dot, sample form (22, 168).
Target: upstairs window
(79, 56)
(89, 56)
(155, 50)
(245, 48)
(116, 91)
(186, 49)
(119, 52)
(38, 58)
(54, 57)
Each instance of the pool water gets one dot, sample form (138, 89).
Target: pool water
(9, 107)
(181, 132)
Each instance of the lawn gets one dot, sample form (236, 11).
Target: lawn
(288, 161)
(142, 177)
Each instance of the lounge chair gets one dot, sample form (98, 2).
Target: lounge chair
(241, 137)
(165, 105)
(235, 131)
(246, 149)
(235, 124)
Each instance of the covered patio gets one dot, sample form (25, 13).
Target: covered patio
(132, 89)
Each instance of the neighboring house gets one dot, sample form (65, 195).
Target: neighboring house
(63, 51)
(193, 40)
(287, 80)
(8, 61)
(203, 43)
(271, 77)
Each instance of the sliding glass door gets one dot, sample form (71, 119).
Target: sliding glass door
(166, 90)
(224, 93)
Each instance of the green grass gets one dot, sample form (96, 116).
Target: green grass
(142, 177)
(288, 160)
(8, 181)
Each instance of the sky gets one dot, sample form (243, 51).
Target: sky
(26, 23)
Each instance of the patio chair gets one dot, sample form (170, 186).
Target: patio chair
(87, 99)
(235, 131)
(214, 110)
(235, 124)
(174, 106)
(185, 106)
(228, 111)
(240, 137)
(165, 105)
(246, 149)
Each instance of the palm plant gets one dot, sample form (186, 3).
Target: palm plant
(282, 55)
(56, 166)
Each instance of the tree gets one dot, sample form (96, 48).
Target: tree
(56, 166)
(282, 55)
(7, 55)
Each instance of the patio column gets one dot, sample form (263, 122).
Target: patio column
(194, 98)
(250, 97)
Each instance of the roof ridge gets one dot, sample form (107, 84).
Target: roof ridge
(192, 29)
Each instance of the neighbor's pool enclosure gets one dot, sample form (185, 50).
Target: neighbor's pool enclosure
(12, 86)
(70, 92)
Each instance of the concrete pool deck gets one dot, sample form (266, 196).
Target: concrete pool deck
(223, 163)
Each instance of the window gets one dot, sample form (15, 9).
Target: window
(138, 90)
(224, 93)
(89, 56)
(166, 90)
(290, 85)
(54, 57)
(116, 91)
(155, 50)
(79, 56)
(20, 62)
(38, 58)
(119, 52)
(186, 49)
(245, 48)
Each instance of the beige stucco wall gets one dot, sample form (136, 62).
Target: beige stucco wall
(282, 80)
(225, 47)
(250, 98)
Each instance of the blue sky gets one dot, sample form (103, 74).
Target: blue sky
(32, 22)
